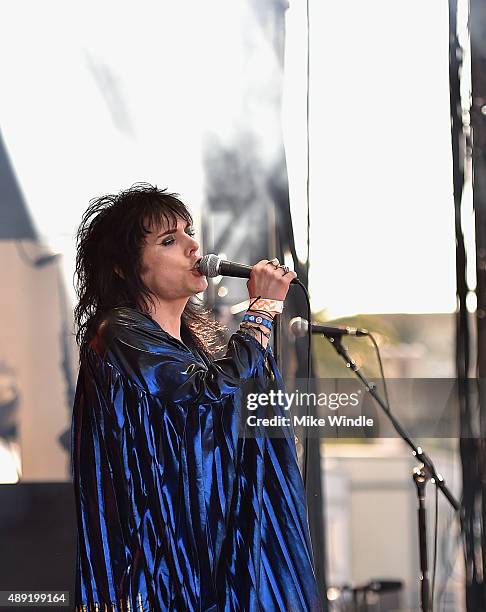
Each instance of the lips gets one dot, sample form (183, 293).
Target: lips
(194, 267)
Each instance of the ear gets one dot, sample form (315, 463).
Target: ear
(118, 272)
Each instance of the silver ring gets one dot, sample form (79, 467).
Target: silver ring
(286, 269)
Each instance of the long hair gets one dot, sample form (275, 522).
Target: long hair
(108, 261)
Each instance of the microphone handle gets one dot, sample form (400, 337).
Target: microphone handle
(329, 330)
(237, 270)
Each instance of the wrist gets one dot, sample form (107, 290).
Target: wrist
(259, 325)
(263, 320)
(260, 334)
(266, 305)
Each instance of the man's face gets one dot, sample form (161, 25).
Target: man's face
(168, 257)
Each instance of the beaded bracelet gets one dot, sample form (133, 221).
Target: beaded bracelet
(258, 320)
(261, 313)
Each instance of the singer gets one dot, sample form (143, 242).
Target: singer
(175, 511)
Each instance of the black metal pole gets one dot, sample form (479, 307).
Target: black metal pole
(420, 478)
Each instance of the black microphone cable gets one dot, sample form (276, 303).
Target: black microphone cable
(382, 373)
(305, 453)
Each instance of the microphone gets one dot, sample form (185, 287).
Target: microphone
(211, 265)
(299, 327)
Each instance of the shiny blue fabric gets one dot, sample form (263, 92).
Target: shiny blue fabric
(175, 510)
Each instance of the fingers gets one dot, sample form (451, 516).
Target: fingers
(285, 270)
(270, 278)
(290, 274)
(267, 267)
(263, 265)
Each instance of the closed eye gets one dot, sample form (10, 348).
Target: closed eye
(190, 231)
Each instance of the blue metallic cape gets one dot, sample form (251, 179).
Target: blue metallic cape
(175, 511)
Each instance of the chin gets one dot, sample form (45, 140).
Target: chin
(200, 286)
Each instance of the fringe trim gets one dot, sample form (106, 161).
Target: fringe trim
(124, 605)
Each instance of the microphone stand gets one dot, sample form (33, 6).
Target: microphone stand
(421, 475)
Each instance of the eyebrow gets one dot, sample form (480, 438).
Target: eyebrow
(171, 231)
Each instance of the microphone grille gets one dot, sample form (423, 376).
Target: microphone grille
(209, 265)
(298, 327)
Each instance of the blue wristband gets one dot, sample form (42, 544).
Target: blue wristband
(258, 320)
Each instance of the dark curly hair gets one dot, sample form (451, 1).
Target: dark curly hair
(110, 238)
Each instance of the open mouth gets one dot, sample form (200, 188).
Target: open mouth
(195, 266)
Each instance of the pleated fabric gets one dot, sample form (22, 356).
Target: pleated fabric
(176, 509)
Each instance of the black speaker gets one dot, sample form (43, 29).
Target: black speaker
(37, 540)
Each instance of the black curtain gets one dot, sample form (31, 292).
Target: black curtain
(472, 403)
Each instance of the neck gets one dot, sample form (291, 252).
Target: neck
(168, 315)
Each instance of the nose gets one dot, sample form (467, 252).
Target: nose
(193, 246)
